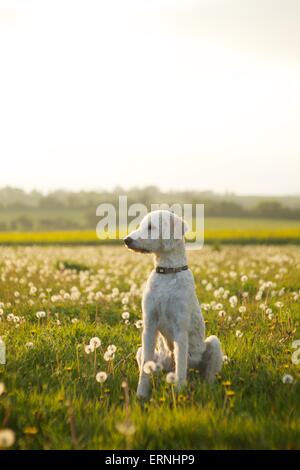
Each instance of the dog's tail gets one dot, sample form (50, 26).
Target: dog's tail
(212, 359)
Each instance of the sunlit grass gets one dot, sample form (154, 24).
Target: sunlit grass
(52, 399)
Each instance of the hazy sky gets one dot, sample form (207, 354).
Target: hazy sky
(177, 93)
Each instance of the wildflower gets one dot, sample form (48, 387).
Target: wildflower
(127, 428)
(29, 345)
(225, 359)
(295, 355)
(30, 430)
(287, 379)
(2, 388)
(111, 348)
(279, 304)
(244, 279)
(88, 349)
(218, 306)
(125, 315)
(238, 334)
(99, 295)
(171, 378)
(149, 367)
(101, 377)
(226, 383)
(40, 314)
(222, 313)
(7, 438)
(205, 307)
(95, 342)
(139, 324)
(242, 309)
(108, 356)
(233, 301)
(74, 320)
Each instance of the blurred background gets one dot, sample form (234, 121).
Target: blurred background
(162, 100)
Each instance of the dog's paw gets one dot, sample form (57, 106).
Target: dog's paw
(143, 392)
(180, 386)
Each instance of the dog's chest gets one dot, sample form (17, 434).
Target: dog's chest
(166, 300)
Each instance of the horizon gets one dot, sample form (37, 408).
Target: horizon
(142, 188)
(175, 94)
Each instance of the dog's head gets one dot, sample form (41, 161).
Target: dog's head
(158, 232)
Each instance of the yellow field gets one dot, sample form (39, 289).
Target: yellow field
(226, 230)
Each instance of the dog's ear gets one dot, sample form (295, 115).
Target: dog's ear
(173, 232)
(180, 227)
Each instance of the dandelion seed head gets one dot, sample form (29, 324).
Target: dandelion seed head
(95, 342)
(127, 428)
(7, 438)
(88, 349)
(2, 388)
(111, 348)
(287, 379)
(171, 378)
(101, 377)
(233, 301)
(149, 367)
(108, 356)
(225, 359)
(40, 314)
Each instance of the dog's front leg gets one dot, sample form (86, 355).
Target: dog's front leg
(181, 358)
(148, 347)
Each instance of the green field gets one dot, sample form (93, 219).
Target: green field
(50, 399)
(217, 230)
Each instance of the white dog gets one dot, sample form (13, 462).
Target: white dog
(174, 329)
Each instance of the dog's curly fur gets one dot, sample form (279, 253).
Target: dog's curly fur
(174, 329)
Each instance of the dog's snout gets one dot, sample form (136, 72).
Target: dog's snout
(128, 241)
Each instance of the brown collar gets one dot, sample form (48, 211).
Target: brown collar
(161, 270)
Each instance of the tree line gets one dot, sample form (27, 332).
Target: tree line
(60, 209)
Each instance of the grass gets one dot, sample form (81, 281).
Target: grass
(52, 399)
(217, 230)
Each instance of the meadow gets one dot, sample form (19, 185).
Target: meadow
(70, 318)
